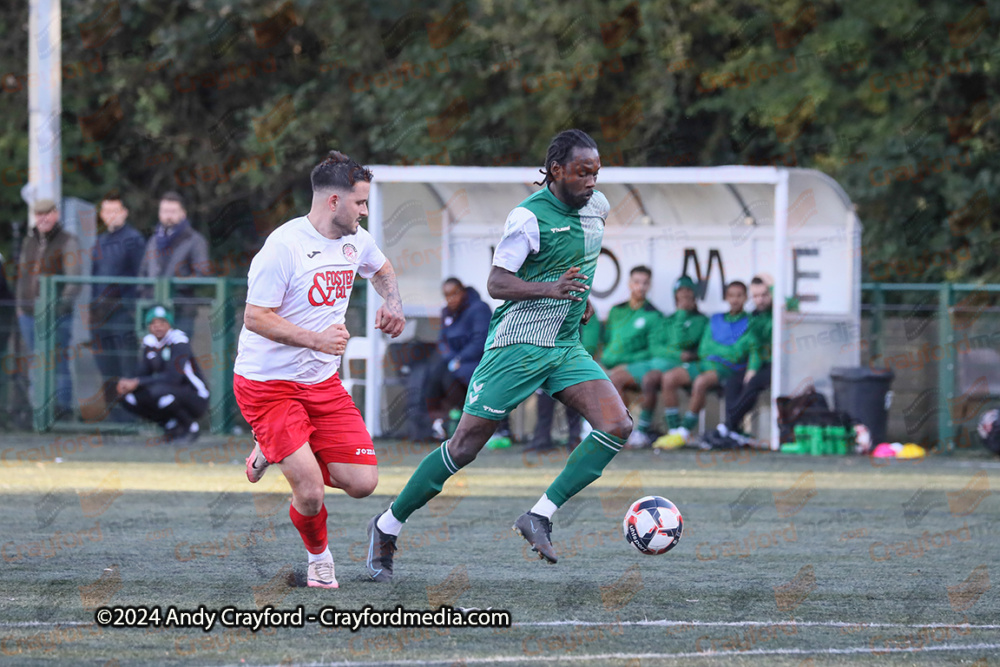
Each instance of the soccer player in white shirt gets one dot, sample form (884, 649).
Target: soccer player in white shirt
(286, 380)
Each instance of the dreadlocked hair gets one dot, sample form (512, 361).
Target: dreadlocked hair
(561, 149)
(339, 172)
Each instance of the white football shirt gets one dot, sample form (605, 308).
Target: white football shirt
(308, 278)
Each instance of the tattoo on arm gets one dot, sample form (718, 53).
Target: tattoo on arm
(384, 282)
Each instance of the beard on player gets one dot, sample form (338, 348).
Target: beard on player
(575, 181)
(346, 223)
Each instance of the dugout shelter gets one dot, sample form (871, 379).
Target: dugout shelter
(715, 224)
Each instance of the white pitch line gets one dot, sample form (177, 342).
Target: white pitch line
(654, 656)
(40, 624)
(738, 624)
(643, 623)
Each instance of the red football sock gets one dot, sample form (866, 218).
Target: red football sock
(311, 528)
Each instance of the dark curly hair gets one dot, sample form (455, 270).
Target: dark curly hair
(338, 171)
(561, 149)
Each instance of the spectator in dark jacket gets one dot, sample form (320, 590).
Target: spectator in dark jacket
(170, 388)
(176, 250)
(49, 250)
(118, 252)
(465, 321)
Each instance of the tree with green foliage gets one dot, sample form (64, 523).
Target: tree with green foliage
(232, 102)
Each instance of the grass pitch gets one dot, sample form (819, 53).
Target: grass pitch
(784, 560)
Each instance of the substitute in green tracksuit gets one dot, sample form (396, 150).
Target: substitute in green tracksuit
(628, 330)
(723, 349)
(674, 342)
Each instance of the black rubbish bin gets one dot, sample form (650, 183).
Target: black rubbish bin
(865, 395)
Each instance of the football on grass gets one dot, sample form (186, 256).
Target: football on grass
(653, 525)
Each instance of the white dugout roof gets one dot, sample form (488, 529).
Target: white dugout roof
(716, 224)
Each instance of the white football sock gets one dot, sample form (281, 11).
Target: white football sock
(389, 524)
(326, 555)
(544, 507)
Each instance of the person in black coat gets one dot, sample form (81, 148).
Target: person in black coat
(118, 252)
(170, 388)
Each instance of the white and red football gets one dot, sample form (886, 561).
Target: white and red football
(653, 525)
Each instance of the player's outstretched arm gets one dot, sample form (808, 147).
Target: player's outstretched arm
(506, 286)
(389, 317)
(267, 323)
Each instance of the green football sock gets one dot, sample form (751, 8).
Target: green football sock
(645, 420)
(584, 465)
(425, 483)
(690, 420)
(672, 417)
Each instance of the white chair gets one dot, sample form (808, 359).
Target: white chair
(354, 365)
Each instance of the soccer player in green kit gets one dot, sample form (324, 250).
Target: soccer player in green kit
(543, 269)
(673, 341)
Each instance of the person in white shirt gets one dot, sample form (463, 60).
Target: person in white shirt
(293, 336)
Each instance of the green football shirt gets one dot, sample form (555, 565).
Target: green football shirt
(677, 333)
(542, 239)
(626, 333)
(760, 327)
(590, 335)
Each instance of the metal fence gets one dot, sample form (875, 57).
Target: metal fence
(219, 300)
(942, 341)
(209, 310)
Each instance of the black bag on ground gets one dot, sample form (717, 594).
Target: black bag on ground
(808, 408)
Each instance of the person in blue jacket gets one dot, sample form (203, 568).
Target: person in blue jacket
(465, 320)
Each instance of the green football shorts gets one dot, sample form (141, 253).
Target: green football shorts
(638, 369)
(508, 375)
(696, 368)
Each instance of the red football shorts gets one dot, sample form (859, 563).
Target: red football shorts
(284, 415)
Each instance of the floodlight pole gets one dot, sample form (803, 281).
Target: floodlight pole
(778, 298)
(44, 102)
